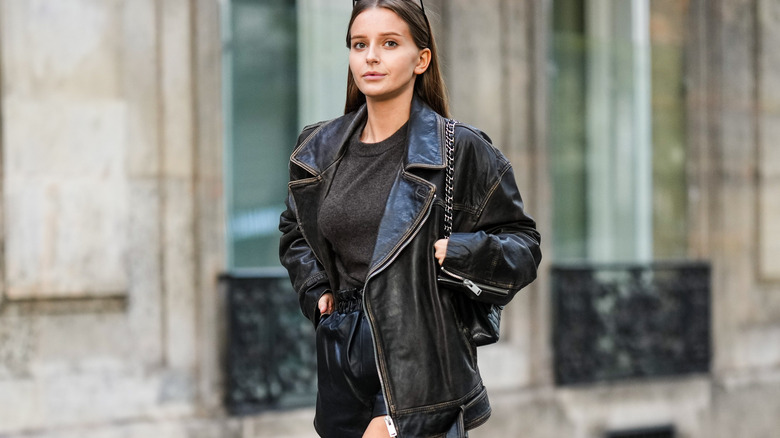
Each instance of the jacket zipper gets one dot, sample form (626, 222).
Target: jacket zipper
(390, 426)
(475, 288)
(391, 429)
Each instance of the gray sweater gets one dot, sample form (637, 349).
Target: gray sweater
(352, 210)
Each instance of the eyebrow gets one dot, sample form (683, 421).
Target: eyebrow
(381, 34)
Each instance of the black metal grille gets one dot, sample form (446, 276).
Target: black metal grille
(271, 359)
(654, 432)
(626, 321)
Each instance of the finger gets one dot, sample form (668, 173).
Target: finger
(440, 247)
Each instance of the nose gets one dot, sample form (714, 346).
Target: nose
(372, 57)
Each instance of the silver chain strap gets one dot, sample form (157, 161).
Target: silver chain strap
(449, 151)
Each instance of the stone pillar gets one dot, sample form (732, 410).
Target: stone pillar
(494, 57)
(735, 73)
(768, 133)
(65, 151)
(112, 215)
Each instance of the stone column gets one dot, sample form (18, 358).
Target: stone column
(494, 63)
(768, 133)
(112, 215)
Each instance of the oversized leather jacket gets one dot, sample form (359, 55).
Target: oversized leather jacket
(426, 360)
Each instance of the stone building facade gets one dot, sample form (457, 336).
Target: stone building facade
(112, 144)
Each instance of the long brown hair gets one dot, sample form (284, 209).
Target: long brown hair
(429, 86)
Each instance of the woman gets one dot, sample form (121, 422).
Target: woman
(362, 239)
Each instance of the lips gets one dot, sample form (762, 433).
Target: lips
(373, 75)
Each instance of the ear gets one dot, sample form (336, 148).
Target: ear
(423, 61)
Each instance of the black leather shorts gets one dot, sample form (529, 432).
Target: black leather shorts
(349, 394)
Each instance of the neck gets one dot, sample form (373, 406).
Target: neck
(385, 118)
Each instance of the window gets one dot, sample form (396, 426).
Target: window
(618, 130)
(618, 166)
(284, 67)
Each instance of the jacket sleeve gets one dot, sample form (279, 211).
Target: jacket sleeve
(307, 275)
(497, 244)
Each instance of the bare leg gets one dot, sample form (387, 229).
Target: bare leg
(376, 429)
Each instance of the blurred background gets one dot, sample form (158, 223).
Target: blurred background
(144, 148)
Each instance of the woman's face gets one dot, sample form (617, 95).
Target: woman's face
(383, 57)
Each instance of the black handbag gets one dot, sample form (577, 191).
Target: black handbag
(481, 318)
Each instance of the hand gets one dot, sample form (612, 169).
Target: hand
(440, 250)
(325, 304)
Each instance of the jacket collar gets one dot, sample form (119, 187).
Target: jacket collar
(424, 145)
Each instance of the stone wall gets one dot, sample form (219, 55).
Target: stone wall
(112, 202)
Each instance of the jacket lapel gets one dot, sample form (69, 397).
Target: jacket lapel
(425, 148)
(326, 144)
(411, 196)
(407, 207)
(317, 155)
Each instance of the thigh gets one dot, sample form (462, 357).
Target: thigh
(376, 429)
(343, 410)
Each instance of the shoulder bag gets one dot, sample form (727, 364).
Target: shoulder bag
(482, 319)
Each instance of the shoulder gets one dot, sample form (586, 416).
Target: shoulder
(308, 130)
(464, 131)
(475, 147)
(318, 145)
(479, 167)
(328, 128)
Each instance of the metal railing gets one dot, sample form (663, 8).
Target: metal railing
(271, 359)
(623, 321)
(610, 322)
(650, 432)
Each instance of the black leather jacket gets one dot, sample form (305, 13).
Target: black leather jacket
(426, 360)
